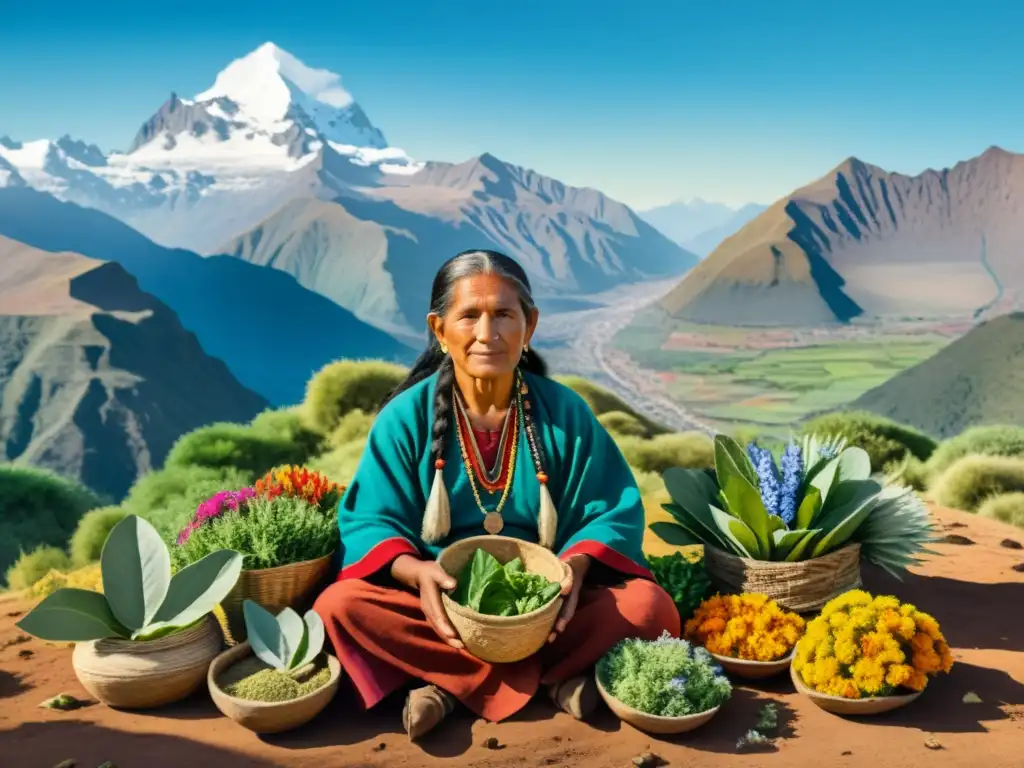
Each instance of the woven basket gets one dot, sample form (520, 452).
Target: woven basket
(132, 674)
(838, 705)
(295, 585)
(654, 724)
(801, 587)
(502, 639)
(262, 716)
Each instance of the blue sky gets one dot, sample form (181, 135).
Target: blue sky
(648, 102)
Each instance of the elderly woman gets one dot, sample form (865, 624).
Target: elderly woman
(476, 440)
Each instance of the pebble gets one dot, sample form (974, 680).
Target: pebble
(66, 764)
(492, 743)
(847, 753)
(956, 538)
(932, 744)
(380, 747)
(1011, 544)
(1019, 567)
(26, 653)
(647, 760)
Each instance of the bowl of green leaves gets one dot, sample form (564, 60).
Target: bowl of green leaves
(507, 597)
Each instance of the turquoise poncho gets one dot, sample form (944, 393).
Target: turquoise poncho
(600, 512)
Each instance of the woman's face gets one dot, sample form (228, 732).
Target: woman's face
(485, 329)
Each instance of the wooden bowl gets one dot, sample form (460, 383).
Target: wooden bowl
(838, 705)
(268, 716)
(753, 670)
(502, 639)
(654, 724)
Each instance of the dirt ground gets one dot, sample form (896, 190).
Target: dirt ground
(972, 588)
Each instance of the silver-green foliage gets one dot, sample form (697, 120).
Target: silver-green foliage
(284, 642)
(667, 677)
(140, 599)
(838, 501)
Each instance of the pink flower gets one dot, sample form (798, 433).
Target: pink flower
(215, 506)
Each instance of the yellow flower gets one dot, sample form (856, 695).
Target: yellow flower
(748, 626)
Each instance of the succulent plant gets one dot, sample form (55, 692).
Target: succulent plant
(141, 600)
(285, 642)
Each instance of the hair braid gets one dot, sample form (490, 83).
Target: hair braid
(442, 408)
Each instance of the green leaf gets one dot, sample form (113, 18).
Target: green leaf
(514, 566)
(741, 496)
(136, 569)
(265, 635)
(293, 629)
(797, 553)
(314, 637)
(739, 457)
(854, 464)
(475, 577)
(824, 478)
(808, 508)
(674, 534)
(738, 534)
(72, 616)
(693, 493)
(842, 523)
(197, 589)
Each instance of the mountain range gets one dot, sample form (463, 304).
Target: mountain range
(278, 165)
(698, 225)
(862, 242)
(98, 378)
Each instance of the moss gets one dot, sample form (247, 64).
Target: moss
(275, 686)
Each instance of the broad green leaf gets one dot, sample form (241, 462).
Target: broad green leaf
(786, 541)
(674, 534)
(824, 478)
(293, 628)
(739, 457)
(475, 577)
(797, 552)
(854, 464)
(198, 588)
(693, 493)
(808, 508)
(738, 533)
(72, 616)
(314, 637)
(265, 635)
(514, 566)
(498, 598)
(136, 569)
(742, 496)
(775, 525)
(842, 523)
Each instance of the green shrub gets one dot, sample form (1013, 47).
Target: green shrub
(91, 533)
(911, 472)
(652, 487)
(38, 507)
(985, 441)
(681, 449)
(624, 424)
(972, 480)
(1006, 508)
(341, 463)
(269, 532)
(30, 567)
(354, 425)
(168, 497)
(601, 401)
(224, 445)
(344, 386)
(287, 424)
(884, 440)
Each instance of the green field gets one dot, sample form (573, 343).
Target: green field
(740, 382)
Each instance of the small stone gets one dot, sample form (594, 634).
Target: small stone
(66, 764)
(25, 653)
(492, 743)
(1011, 544)
(932, 744)
(14, 614)
(380, 747)
(647, 760)
(847, 753)
(956, 538)
(64, 702)
(1019, 567)
(972, 698)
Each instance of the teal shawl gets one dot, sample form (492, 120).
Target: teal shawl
(600, 512)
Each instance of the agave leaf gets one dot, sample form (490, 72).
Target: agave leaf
(693, 493)
(797, 552)
(136, 570)
(742, 540)
(293, 628)
(72, 615)
(742, 497)
(808, 509)
(674, 533)
(314, 636)
(842, 523)
(196, 590)
(265, 635)
(897, 531)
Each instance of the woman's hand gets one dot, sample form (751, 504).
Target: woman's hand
(571, 586)
(428, 578)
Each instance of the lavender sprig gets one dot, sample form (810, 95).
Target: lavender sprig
(767, 475)
(792, 476)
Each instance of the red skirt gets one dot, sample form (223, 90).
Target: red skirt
(383, 640)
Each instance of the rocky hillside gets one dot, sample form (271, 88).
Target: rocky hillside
(978, 379)
(98, 378)
(863, 242)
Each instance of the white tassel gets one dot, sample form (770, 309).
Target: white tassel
(437, 517)
(547, 519)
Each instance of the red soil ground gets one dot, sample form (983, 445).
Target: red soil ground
(972, 588)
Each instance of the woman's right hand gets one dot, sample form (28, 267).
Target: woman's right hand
(428, 578)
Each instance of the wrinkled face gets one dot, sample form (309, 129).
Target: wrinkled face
(485, 329)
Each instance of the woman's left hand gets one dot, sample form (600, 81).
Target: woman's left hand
(571, 586)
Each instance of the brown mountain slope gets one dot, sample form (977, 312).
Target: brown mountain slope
(97, 378)
(864, 242)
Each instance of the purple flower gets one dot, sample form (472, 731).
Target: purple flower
(768, 477)
(215, 506)
(792, 475)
